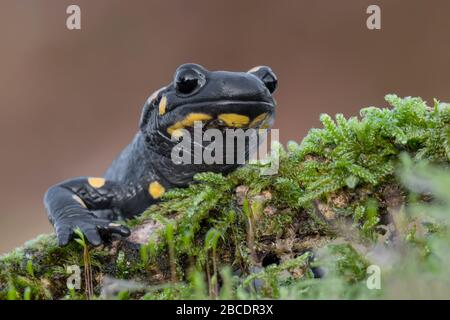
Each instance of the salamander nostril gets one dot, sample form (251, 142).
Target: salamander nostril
(267, 76)
(187, 80)
(271, 82)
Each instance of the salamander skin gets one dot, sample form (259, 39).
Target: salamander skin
(144, 170)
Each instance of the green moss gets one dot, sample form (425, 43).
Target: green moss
(249, 235)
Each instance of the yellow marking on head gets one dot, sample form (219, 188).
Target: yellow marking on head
(177, 133)
(162, 105)
(156, 190)
(234, 119)
(188, 121)
(262, 131)
(258, 120)
(96, 182)
(78, 199)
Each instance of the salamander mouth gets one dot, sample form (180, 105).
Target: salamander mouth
(220, 115)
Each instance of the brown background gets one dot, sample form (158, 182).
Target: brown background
(70, 100)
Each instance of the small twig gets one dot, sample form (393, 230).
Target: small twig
(251, 232)
(88, 282)
(89, 286)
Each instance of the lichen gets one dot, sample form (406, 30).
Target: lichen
(357, 192)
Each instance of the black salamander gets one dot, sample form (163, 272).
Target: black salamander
(144, 170)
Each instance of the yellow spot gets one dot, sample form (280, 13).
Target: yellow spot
(78, 199)
(258, 120)
(162, 105)
(265, 126)
(188, 121)
(234, 119)
(177, 133)
(96, 182)
(156, 190)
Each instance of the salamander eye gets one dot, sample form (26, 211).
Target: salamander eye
(188, 80)
(267, 76)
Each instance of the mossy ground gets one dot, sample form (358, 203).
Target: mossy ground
(360, 193)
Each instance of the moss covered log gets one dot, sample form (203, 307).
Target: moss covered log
(359, 209)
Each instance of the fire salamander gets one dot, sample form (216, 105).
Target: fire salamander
(144, 170)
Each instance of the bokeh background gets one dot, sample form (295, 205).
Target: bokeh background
(71, 100)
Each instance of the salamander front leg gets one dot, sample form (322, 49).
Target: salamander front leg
(71, 204)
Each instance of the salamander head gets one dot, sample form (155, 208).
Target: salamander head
(219, 99)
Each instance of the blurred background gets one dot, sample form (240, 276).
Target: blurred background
(71, 100)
